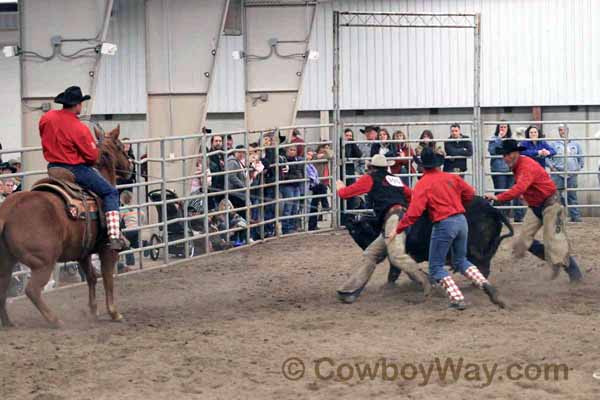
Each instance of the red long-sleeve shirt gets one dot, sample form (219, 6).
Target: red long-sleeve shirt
(532, 182)
(363, 185)
(66, 140)
(440, 193)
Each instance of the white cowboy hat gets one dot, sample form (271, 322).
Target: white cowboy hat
(380, 161)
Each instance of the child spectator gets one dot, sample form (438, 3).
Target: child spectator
(317, 189)
(403, 150)
(129, 216)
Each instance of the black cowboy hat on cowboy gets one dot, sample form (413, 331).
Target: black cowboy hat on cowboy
(370, 128)
(71, 97)
(431, 159)
(510, 146)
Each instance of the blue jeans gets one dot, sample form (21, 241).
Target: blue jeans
(559, 180)
(290, 207)
(506, 182)
(450, 234)
(90, 179)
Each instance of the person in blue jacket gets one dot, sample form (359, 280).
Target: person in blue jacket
(536, 148)
(503, 178)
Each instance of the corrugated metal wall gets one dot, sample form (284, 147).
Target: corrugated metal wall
(534, 52)
(227, 92)
(121, 85)
(10, 100)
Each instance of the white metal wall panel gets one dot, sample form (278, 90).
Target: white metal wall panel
(534, 52)
(180, 41)
(10, 100)
(318, 76)
(43, 19)
(121, 87)
(227, 93)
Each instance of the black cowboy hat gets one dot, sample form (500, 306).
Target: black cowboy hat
(370, 128)
(509, 146)
(71, 96)
(431, 159)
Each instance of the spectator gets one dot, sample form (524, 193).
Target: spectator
(291, 190)
(18, 168)
(229, 143)
(129, 216)
(2, 195)
(237, 178)
(256, 171)
(536, 148)
(383, 146)
(457, 148)
(317, 188)
(403, 150)
(323, 168)
(269, 176)
(426, 140)
(9, 186)
(216, 164)
(132, 179)
(371, 133)
(497, 165)
(351, 150)
(574, 162)
(6, 168)
(196, 206)
(297, 138)
(220, 222)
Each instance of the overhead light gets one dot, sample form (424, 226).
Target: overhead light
(10, 51)
(108, 49)
(313, 55)
(237, 55)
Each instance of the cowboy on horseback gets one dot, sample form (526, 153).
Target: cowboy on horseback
(67, 143)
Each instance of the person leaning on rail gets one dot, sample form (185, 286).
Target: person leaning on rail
(545, 211)
(389, 198)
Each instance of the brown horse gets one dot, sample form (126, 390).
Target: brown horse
(36, 231)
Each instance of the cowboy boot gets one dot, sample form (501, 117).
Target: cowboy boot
(573, 271)
(393, 274)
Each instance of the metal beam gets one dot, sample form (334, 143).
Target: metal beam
(406, 20)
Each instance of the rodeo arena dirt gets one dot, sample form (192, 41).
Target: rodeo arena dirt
(402, 258)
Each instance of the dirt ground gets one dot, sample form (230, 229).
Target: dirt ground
(222, 327)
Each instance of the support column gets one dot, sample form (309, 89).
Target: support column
(536, 115)
(276, 43)
(182, 41)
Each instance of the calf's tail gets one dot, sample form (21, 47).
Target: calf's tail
(506, 222)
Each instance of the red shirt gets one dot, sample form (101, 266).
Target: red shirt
(532, 182)
(440, 193)
(363, 185)
(66, 140)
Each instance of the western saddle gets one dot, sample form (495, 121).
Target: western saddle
(80, 204)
